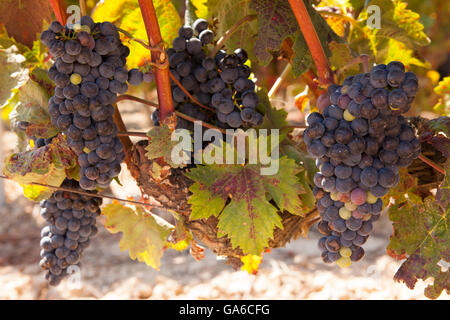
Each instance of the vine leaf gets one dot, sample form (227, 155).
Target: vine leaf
(341, 56)
(227, 14)
(161, 145)
(32, 108)
(239, 196)
(421, 232)
(49, 164)
(24, 19)
(126, 15)
(276, 23)
(251, 263)
(443, 90)
(405, 191)
(201, 8)
(13, 73)
(306, 175)
(144, 235)
(181, 236)
(273, 118)
(397, 39)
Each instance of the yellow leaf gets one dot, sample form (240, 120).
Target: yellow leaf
(144, 235)
(251, 263)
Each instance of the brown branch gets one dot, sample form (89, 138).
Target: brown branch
(230, 31)
(126, 141)
(137, 99)
(187, 93)
(280, 79)
(204, 124)
(179, 114)
(432, 164)
(131, 134)
(59, 8)
(162, 78)
(313, 42)
(83, 7)
(93, 195)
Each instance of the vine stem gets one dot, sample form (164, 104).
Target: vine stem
(432, 164)
(59, 9)
(187, 92)
(137, 99)
(83, 7)
(125, 140)
(313, 42)
(280, 79)
(179, 114)
(93, 195)
(131, 134)
(230, 31)
(162, 78)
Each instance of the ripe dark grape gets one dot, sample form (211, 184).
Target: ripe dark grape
(61, 237)
(359, 142)
(89, 72)
(221, 82)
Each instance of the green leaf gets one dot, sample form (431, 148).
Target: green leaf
(421, 232)
(273, 118)
(228, 13)
(276, 23)
(126, 15)
(161, 145)
(46, 165)
(397, 39)
(341, 56)
(144, 235)
(239, 196)
(306, 176)
(181, 237)
(204, 200)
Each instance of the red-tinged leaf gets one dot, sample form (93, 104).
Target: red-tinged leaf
(46, 165)
(405, 191)
(40, 76)
(238, 196)
(421, 232)
(24, 19)
(441, 124)
(276, 23)
(32, 108)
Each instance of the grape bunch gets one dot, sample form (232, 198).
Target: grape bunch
(71, 222)
(359, 142)
(220, 82)
(89, 71)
